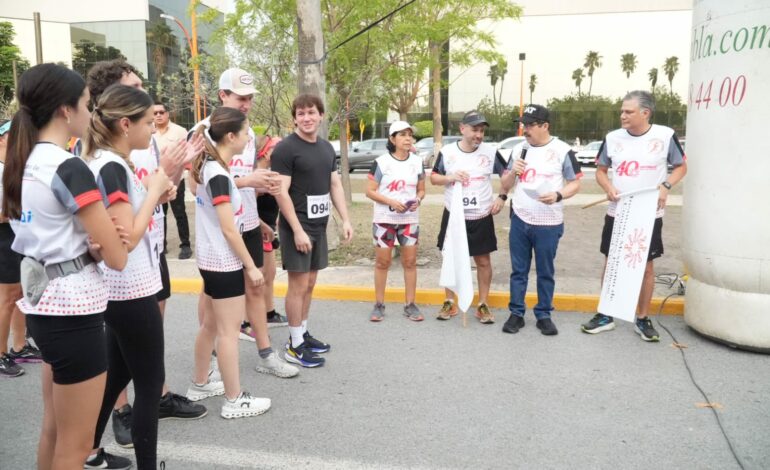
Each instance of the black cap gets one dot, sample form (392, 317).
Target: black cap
(535, 113)
(474, 118)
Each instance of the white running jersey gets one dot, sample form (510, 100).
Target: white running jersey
(56, 186)
(641, 161)
(217, 187)
(243, 165)
(548, 167)
(480, 165)
(145, 162)
(397, 180)
(141, 276)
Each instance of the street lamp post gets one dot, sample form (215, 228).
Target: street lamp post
(194, 55)
(522, 56)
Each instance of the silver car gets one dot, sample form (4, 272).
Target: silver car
(425, 148)
(363, 154)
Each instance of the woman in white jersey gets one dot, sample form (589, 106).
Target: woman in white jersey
(397, 186)
(122, 121)
(224, 262)
(53, 213)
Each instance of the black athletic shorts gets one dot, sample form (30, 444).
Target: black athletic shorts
(253, 241)
(10, 261)
(656, 244)
(481, 234)
(223, 285)
(75, 346)
(294, 261)
(165, 292)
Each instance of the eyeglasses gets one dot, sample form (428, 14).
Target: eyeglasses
(531, 124)
(159, 113)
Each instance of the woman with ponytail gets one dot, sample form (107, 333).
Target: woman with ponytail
(224, 263)
(122, 121)
(53, 213)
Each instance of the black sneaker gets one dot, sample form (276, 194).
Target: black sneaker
(173, 406)
(9, 368)
(315, 345)
(276, 319)
(598, 323)
(303, 356)
(185, 252)
(546, 327)
(121, 426)
(513, 324)
(28, 353)
(645, 329)
(104, 460)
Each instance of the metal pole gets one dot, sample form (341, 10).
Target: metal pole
(15, 78)
(522, 56)
(38, 38)
(196, 67)
(193, 54)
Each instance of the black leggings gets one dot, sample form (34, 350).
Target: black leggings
(135, 351)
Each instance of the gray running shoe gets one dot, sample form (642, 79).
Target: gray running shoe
(412, 312)
(377, 312)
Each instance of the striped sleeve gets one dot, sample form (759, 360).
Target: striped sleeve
(218, 188)
(74, 186)
(571, 167)
(113, 183)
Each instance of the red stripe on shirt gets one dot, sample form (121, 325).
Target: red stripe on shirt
(88, 197)
(220, 199)
(117, 196)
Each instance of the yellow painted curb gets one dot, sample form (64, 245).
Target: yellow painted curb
(563, 302)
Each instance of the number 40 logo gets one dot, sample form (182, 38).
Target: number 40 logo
(628, 168)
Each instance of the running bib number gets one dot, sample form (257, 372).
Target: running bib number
(471, 201)
(318, 206)
(155, 237)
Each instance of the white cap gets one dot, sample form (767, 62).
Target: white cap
(238, 81)
(399, 126)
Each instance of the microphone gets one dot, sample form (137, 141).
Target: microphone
(524, 149)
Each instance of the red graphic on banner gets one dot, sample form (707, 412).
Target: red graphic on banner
(635, 248)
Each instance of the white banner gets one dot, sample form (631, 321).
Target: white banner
(627, 257)
(456, 264)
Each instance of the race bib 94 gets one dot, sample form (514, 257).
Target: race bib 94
(318, 206)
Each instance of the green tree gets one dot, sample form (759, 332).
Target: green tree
(587, 117)
(9, 53)
(532, 85)
(87, 53)
(162, 43)
(592, 62)
(670, 68)
(652, 75)
(493, 75)
(502, 69)
(578, 76)
(628, 64)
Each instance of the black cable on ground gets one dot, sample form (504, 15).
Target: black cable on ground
(668, 280)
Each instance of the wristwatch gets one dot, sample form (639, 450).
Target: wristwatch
(504, 197)
(666, 185)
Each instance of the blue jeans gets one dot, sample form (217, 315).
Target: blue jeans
(522, 240)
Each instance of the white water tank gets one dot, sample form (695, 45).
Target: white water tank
(726, 239)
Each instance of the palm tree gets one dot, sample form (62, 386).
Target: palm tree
(493, 76)
(532, 84)
(578, 76)
(653, 76)
(628, 64)
(163, 43)
(502, 70)
(671, 67)
(593, 62)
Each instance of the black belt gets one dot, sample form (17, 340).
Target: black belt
(65, 268)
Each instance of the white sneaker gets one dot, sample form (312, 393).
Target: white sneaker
(245, 405)
(273, 365)
(211, 388)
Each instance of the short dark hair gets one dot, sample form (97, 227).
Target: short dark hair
(106, 73)
(306, 100)
(159, 102)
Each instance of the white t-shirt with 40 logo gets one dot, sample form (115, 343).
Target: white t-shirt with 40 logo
(397, 180)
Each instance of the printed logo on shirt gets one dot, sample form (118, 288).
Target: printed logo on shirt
(396, 185)
(484, 161)
(26, 217)
(551, 156)
(628, 168)
(141, 173)
(528, 176)
(198, 201)
(618, 148)
(655, 146)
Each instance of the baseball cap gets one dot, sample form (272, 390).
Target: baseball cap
(238, 81)
(474, 118)
(535, 113)
(399, 126)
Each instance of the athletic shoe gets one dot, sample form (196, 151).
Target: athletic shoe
(185, 252)
(377, 312)
(448, 310)
(513, 324)
(546, 327)
(484, 315)
(245, 405)
(644, 327)
(315, 345)
(247, 333)
(303, 356)
(598, 323)
(9, 368)
(173, 406)
(412, 312)
(276, 319)
(121, 426)
(104, 460)
(28, 353)
(197, 392)
(273, 365)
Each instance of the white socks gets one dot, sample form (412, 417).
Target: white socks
(296, 333)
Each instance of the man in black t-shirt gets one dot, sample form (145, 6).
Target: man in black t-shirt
(310, 185)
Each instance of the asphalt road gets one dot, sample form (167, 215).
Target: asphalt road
(437, 395)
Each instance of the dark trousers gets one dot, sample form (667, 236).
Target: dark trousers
(177, 206)
(135, 352)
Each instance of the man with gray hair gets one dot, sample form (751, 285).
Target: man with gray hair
(639, 153)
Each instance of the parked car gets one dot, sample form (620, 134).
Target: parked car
(506, 146)
(363, 154)
(587, 156)
(336, 146)
(425, 148)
